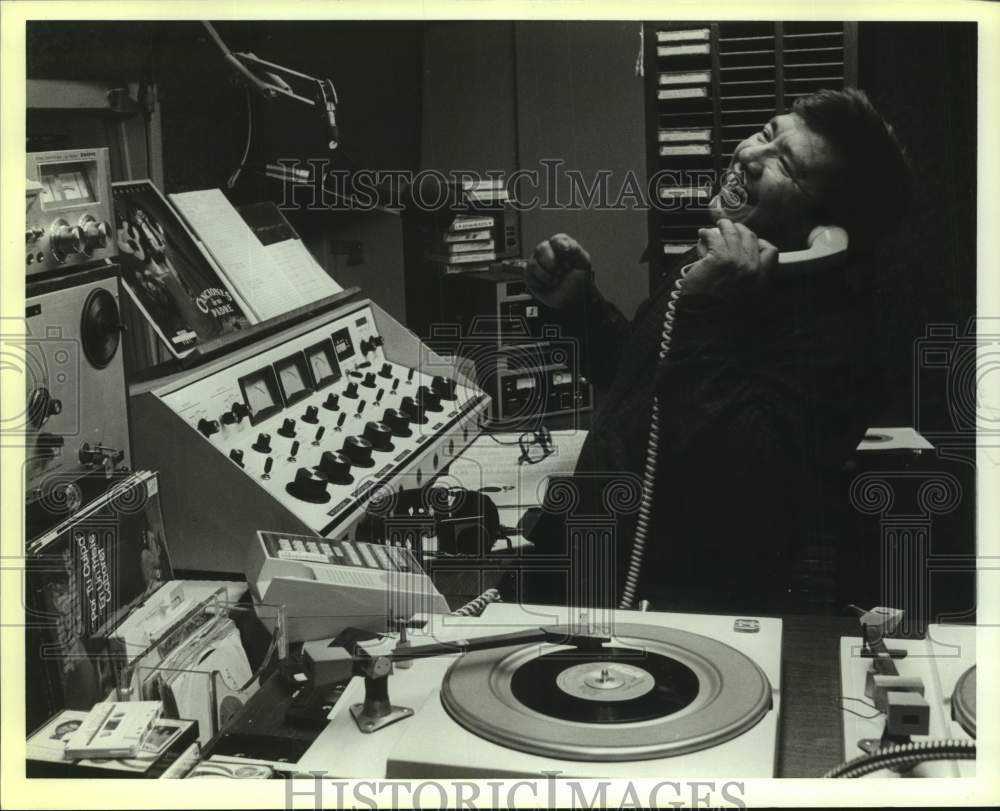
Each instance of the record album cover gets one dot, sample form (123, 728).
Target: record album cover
(179, 290)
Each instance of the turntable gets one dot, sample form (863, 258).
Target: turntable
(666, 694)
(945, 662)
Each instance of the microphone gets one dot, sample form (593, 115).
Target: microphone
(326, 101)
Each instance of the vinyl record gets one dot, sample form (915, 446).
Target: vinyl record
(613, 685)
(963, 701)
(650, 693)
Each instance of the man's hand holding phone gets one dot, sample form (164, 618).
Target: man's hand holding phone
(559, 271)
(734, 262)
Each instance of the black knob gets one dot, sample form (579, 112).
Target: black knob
(395, 384)
(380, 395)
(227, 418)
(268, 464)
(311, 416)
(309, 486)
(208, 427)
(41, 406)
(428, 399)
(332, 402)
(359, 451)
(319, 434)
(366, 346)
(398, 423)
(237, 456)
(240, 411)
(351, 390)
(369, 381)
(335, 467)
(386, 370)
(409, 377)
(444, 386)
(287, 428)
(380, 435)
(412, 409)
(263, 443)
(341, 419)
(294, 451)
(361, 406)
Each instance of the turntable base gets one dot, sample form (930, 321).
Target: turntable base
(703, 700)
(945, 660)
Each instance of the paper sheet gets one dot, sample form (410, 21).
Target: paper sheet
(272, 279)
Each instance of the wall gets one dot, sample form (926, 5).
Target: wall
(580, 101)
(506, 95)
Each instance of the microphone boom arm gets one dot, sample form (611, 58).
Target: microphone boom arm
(245, 65)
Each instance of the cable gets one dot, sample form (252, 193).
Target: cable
(905, 756)
(246, 149)
(652, 452)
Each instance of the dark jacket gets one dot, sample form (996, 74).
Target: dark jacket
(760, 405)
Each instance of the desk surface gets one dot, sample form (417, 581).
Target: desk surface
(810, 737)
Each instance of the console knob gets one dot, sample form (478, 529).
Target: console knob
(208, 427)
(263, 443)
(311, 416)
(444, 386)
(227, 418)
(237, 456)
(380, 435)
(386, 370)
(287, 428)
(413, 410)
(241, 411)
(398, 423)
(309, 486)
(428, 399)
(335, 467)
(41, 406)
(369, 381)
(351, 390)
(65, 239)
(332, 402)
(96, 234)
(359, 451)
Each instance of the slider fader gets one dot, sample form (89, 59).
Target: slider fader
(297, 432)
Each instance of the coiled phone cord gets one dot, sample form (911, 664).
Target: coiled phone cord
(652, 452)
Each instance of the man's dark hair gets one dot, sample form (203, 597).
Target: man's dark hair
(872, 186)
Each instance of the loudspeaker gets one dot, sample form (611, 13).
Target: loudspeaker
(74, 427)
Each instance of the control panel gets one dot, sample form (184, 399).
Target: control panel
(69, 212)
(314, 425)
(327, 585)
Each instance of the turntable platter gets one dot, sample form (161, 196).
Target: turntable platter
(963, 701)
(652, 692)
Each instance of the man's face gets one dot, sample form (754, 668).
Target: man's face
(776, 180)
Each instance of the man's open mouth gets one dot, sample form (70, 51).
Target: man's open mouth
(733, 191)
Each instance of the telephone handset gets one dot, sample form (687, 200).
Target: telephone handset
(827, 246)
